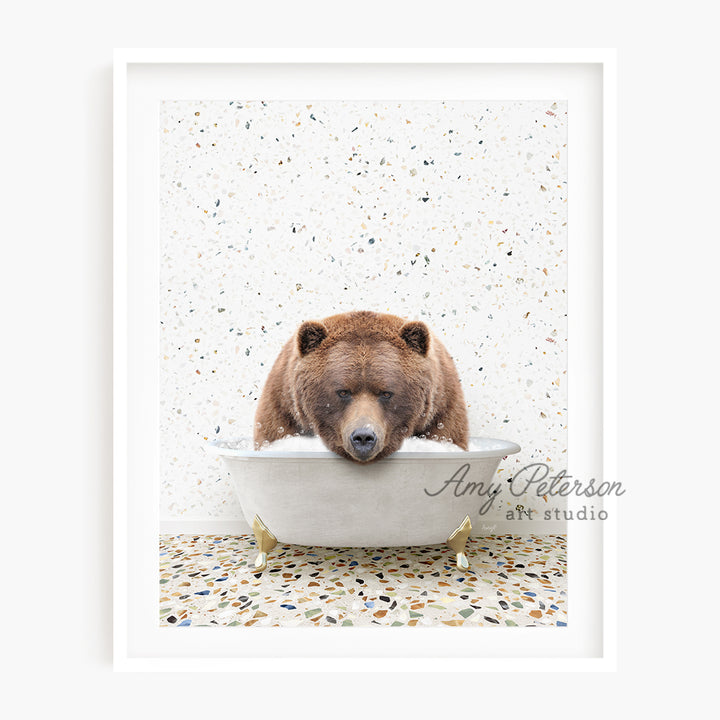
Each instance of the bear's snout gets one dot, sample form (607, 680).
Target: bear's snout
(363, 441)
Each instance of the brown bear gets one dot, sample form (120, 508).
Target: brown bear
(363, 382)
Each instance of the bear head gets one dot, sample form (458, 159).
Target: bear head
(363, 382)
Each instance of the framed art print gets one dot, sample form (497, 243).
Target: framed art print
(364, 327)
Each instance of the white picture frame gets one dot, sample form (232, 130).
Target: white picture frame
(586, 78)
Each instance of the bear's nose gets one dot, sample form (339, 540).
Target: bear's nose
(363, 440)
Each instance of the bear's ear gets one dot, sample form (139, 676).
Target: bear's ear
(309, 336)
(417, 336)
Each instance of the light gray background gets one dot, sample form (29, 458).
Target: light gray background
(64, 253)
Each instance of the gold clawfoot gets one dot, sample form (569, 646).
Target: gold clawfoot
(456, 542)
(266, 541)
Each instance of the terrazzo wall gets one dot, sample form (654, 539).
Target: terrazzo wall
(272, 213)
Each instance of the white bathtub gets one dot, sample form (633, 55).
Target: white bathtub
(318, 498)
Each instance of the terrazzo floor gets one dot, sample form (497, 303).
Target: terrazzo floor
(513, 580)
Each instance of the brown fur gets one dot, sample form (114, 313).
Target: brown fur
(367, 354)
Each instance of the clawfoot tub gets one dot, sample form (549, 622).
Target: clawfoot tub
(314, 497)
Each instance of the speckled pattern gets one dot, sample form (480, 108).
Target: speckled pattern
(271, 213)
(513, 581)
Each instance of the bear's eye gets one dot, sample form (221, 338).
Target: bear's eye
(386, 395)
(344, 393)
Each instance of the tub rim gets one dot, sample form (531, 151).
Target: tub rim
(213, 447)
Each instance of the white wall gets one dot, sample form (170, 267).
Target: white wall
(56, 309)
(272, 213)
